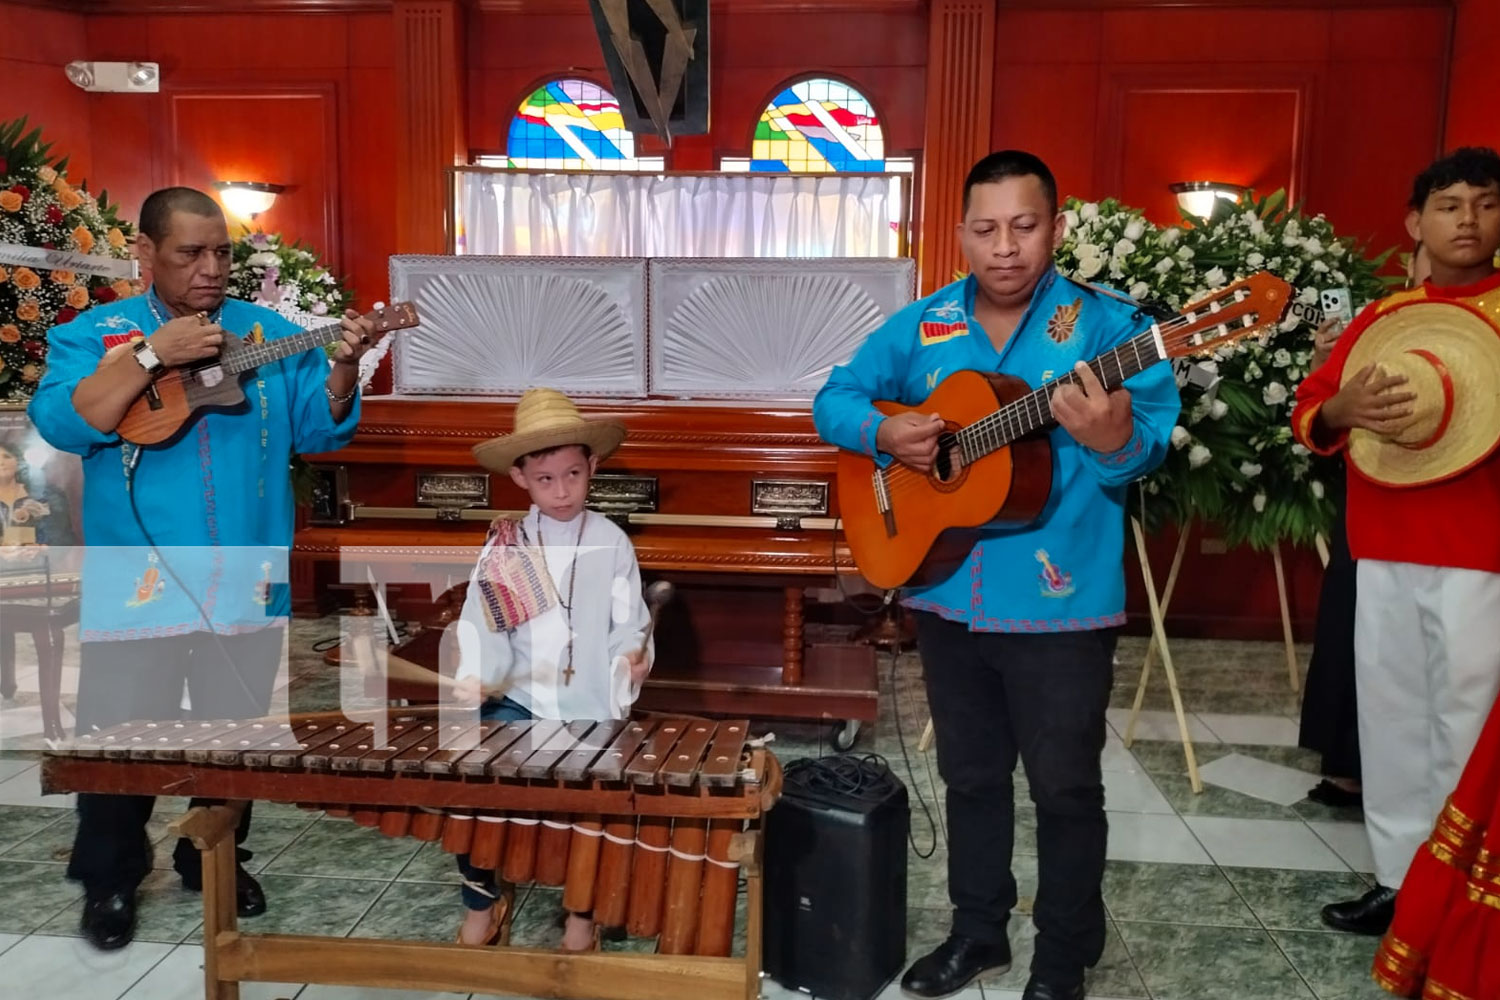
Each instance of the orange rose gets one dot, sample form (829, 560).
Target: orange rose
(26, 279)
(84, 239)
(10, 333)
(10, 201)
(31, 373)
(47, 174)
(116, 238)
(28, 311)
(64, 277)
(69, 199)
(4, 275)
(124, 289)
(2, 364)
(78, 297)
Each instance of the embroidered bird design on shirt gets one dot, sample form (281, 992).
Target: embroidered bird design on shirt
(1060, 326)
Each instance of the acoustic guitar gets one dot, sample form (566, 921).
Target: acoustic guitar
(177, 395)
(994, 463)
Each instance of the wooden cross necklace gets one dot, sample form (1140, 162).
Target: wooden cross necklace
(541, 542)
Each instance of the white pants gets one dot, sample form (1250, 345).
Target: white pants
(1427, 667)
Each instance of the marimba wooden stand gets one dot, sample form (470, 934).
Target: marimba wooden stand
(231, 958)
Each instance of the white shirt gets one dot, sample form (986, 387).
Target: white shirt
(608, 622)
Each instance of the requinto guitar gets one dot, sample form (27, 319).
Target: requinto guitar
(177, 395)
(994, 463)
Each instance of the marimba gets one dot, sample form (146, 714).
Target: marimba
(648, 823)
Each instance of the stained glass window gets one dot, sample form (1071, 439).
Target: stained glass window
(818, 126)
(573, 125)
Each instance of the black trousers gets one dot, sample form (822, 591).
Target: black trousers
(143, 679)
(1330, 716)
(1042, 697)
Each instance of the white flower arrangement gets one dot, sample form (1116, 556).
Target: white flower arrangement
(1238, 433)
(291, 279)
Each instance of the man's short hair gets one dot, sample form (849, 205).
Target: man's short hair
(157, 209)
(1475, 165)
(1011, 163)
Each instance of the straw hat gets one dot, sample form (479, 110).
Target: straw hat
(1450, 355)
(545, 418)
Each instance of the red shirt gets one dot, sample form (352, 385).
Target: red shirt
(1453, 523)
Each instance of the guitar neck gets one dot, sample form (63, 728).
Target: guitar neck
(251, 356)
(1033, 412)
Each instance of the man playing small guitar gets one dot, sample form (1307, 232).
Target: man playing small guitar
(181, 537)
(1017, 645)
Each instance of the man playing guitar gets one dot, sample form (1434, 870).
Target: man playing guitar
(1017, 645)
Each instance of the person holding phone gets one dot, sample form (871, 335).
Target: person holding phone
(1330, 722)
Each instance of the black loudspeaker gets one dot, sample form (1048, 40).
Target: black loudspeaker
(835, 878)
(656, 52)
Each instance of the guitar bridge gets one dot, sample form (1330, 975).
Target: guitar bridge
(883, 502)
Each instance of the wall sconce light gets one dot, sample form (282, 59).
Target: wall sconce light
(116, 77)
(1199, 197)
(247, 199)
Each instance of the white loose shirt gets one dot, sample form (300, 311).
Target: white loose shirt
(608, 622)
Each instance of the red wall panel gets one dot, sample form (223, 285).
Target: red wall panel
(1473, 119)
(35, 45)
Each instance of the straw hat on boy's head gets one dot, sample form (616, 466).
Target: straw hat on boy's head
(545, 418)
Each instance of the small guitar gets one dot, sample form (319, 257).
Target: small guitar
(177, 395)
(993, 466)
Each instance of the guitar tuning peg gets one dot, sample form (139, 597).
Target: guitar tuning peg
(379, 306)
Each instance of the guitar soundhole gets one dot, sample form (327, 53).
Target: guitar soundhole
(948, 469)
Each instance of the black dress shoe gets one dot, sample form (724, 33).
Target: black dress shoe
(952, 965)
(109, 920)
(1328, 794)
(1369, 914)
(1038, 990)
(249, 897)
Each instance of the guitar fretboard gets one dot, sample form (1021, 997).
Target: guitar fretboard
(249, 356)
(1033, 412)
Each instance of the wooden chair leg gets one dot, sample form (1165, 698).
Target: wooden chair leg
(1128, 737)
(928, 735)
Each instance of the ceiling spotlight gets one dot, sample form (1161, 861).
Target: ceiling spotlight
(81, 74)
(116, 77)
(247, 199)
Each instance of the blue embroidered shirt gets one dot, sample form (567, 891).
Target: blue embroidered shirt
(217, 500)
(1065, 571)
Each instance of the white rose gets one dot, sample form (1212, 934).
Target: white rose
(1218, 409)
(1124, 248)
(1198, 456)
(1259, 502)
(1293, 227)
(1215, 277)
(1317, 489)
(1249, 470)
(1088, 250)
(1308, 295)
(1170, 236)
(1117, 268)
(1313, 246)
(1135, 229)
(1088, 210)
(1090, 266)
(1281, 358)
(1163, 266)
(1274, 264)
(1300, 450)
(1070, 217)
(1139, 290)
(1255, 259)
(1320, 267)
(1185, 253)
(320, 308)
(1253, 370)
(1257, 228)
(263, 259)
(1180, 436)
(1274, 394)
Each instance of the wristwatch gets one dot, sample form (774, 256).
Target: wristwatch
(147, 358)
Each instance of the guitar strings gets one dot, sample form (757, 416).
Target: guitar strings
(1010, 420)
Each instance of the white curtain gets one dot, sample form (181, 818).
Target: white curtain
(653, 215)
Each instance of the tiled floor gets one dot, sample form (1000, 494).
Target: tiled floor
(1209, 896)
